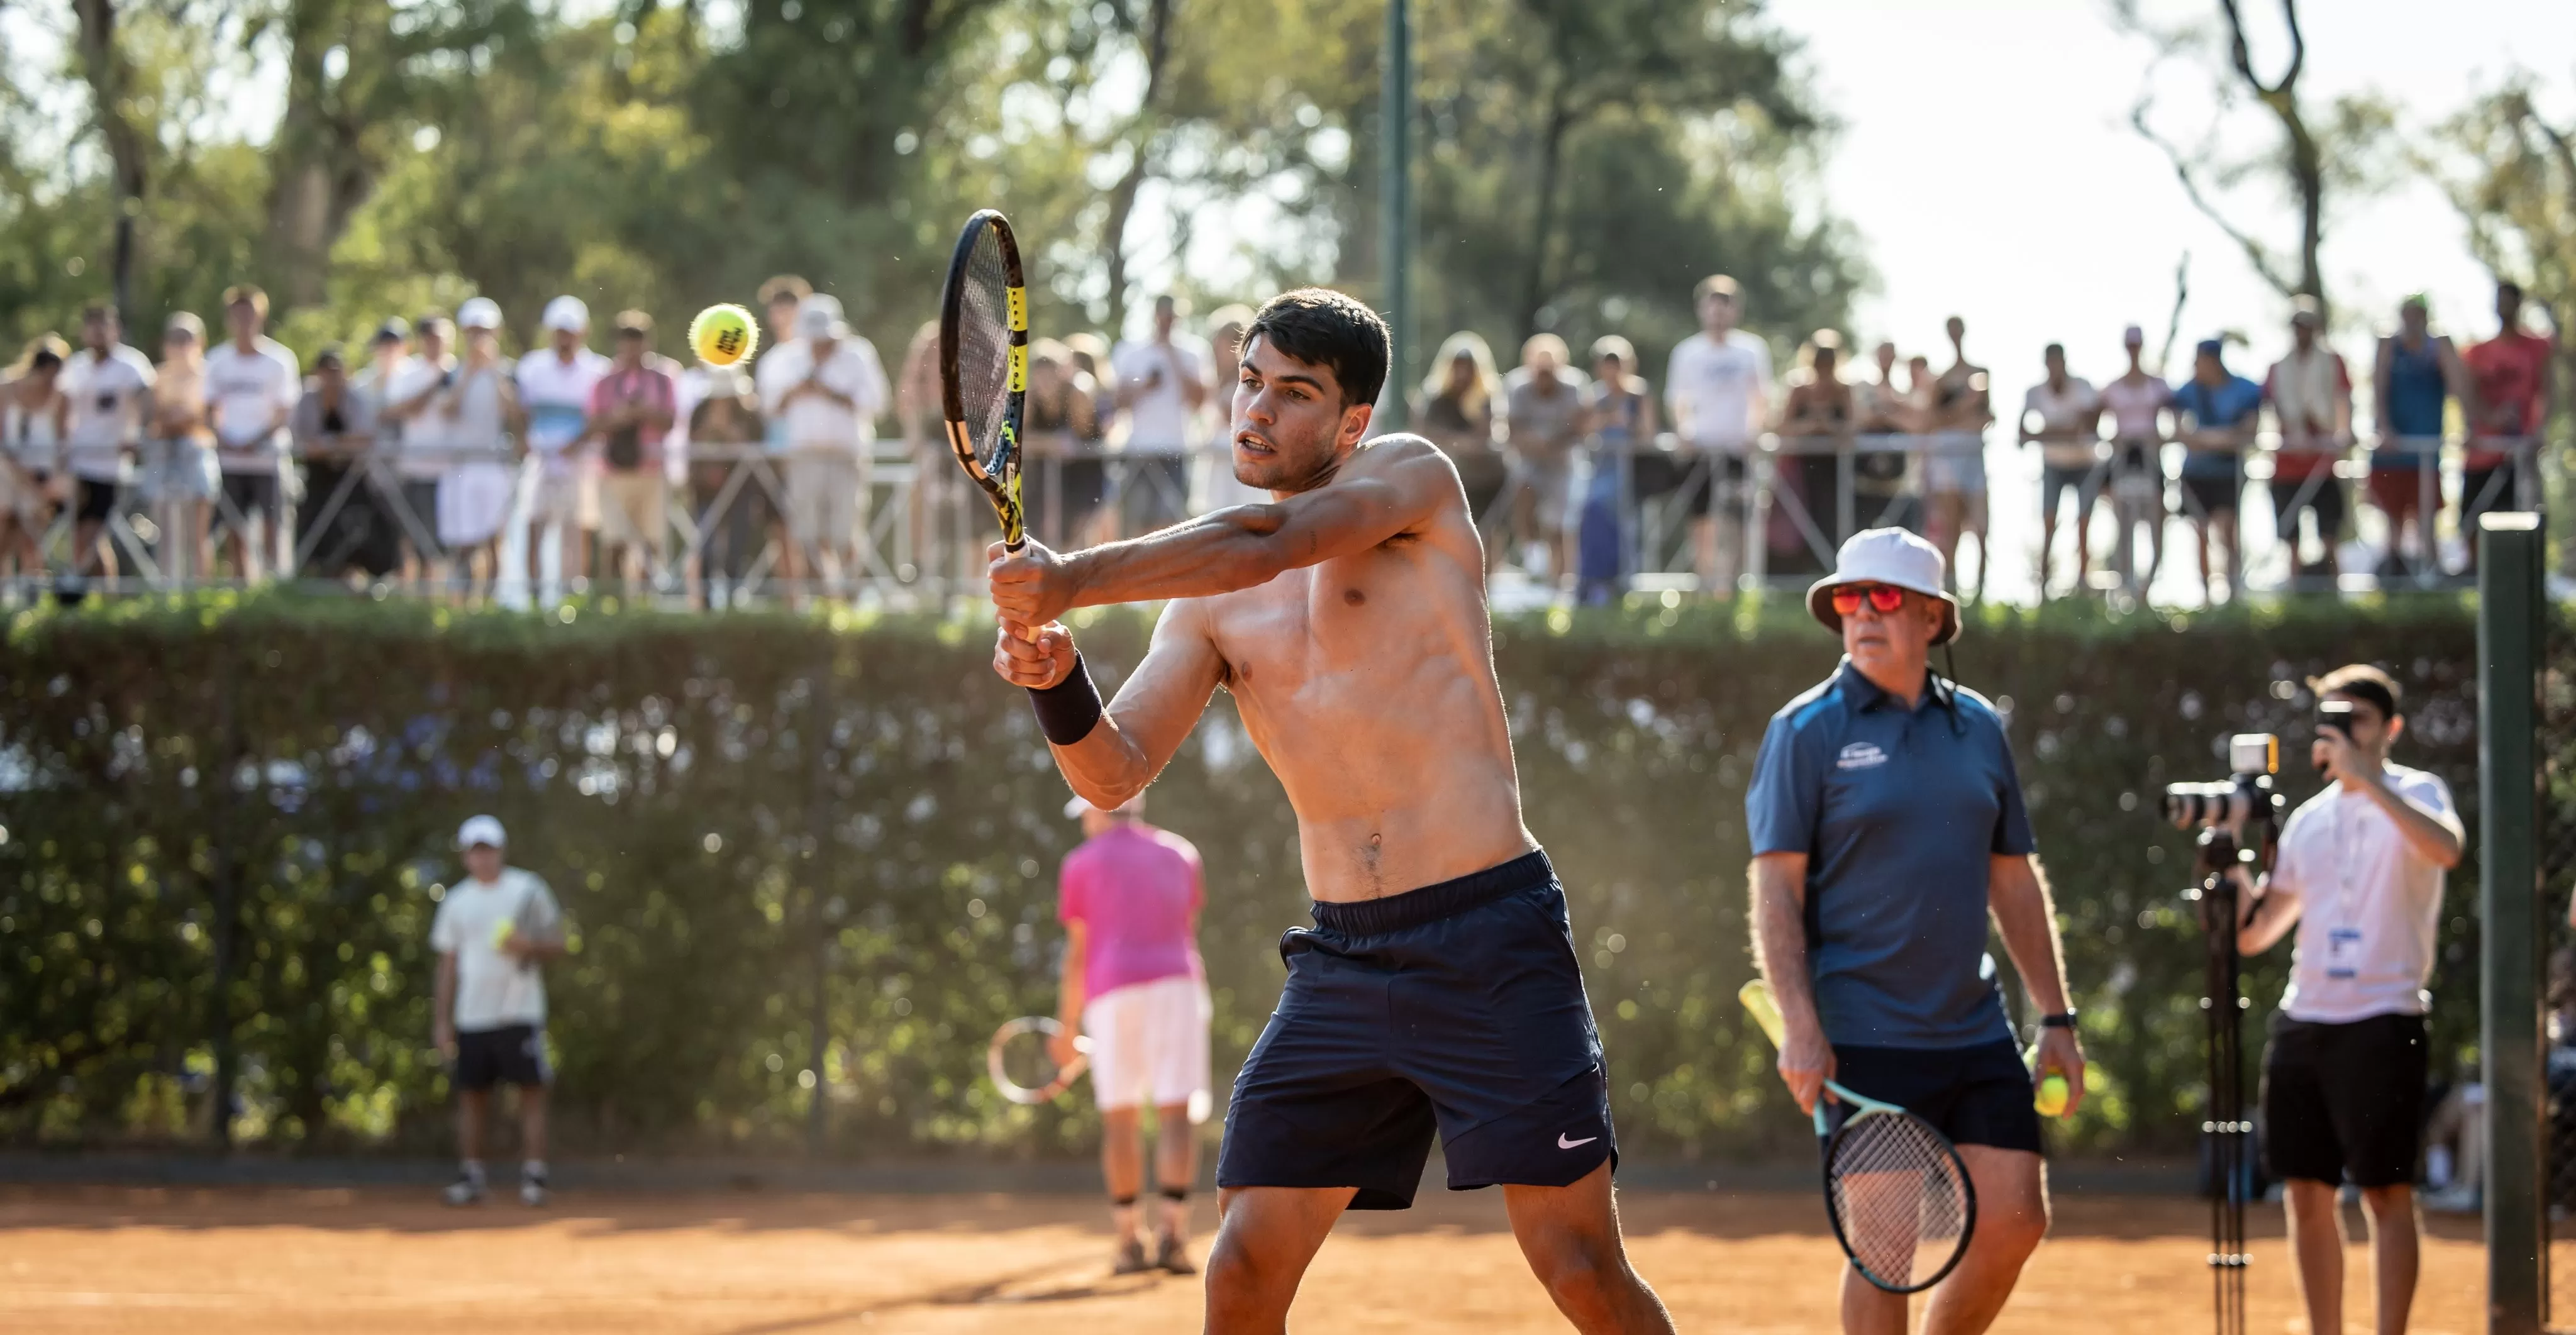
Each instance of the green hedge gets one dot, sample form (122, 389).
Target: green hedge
(227, 821)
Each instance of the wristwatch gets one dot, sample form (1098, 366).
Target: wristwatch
(2061, 1020)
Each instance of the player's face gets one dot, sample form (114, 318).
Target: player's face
(483, 862)
(2370, 731)
(1877, 640)
(1291, 428)
(243, 319)
(567, 341)
(98, 333)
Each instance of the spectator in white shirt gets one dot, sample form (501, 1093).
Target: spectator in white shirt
(252, 386)
(32, 418)
(828, 388)
(2359, 874)
(1160, 387)
(2311, 396)
(555, 382)
(780, 299)
(1718, 388)
(109, 384)
(424, 454)
(477, 412)
(2062, 414)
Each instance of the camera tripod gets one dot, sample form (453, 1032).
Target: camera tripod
(2227, 1133)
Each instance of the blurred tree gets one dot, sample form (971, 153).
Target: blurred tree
(122, 117)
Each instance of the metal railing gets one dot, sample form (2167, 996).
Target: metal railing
(1779, 507)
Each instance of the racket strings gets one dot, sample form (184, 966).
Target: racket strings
(984, 348)
(1900, 1197)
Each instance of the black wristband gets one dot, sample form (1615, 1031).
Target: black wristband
(2061, 1020)
(1070, 709)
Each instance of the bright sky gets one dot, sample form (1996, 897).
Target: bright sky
(1988, 162)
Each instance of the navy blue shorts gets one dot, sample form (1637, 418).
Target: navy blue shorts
(1979, 1095)
(1455, 1008)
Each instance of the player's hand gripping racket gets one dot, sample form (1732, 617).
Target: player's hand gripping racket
(1018, 1061)
(984, 363)
(1899, 1197)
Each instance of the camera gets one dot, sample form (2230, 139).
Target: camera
(2252, 759)
(2335, 715)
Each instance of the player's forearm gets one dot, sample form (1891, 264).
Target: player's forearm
(2017, 893)
(1220, 552)
(1780, 940)
(443, 993)
(1106, 768)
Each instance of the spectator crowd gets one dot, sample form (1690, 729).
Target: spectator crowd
(432, 458)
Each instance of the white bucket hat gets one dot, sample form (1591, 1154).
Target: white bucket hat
(566, 313)
(481, 830)
(1888, 556)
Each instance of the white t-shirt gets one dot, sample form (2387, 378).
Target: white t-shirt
(494, 990)
(1159, 419)
(815, 423)
(423, 452)
(770, 377)
(2134, 405)
(556, 396)
(109, 399)
(2075, 409)
(2370, 906)
(1711, 387)
(245, 392)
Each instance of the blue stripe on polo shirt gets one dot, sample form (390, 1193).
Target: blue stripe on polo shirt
(1898, 811)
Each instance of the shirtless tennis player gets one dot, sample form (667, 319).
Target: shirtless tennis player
(1438, 987)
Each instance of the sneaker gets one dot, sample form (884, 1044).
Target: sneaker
(1171, 1255)
(532, 1191)
(1131, 1258)
(465, 1190)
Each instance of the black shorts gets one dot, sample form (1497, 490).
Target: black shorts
(2325, 498)
(2215, 495)
(252, 494)
(1457, 1008)
(514, 1054)
(2055, 482)
(94, 501)
(1978, 1095)
(2344, 1102)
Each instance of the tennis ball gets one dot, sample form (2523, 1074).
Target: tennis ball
(723, 335)
(2051, 1099)
(502, 931)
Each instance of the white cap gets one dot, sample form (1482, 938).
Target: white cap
(1133, 806)
(480, 313)
(819, 316)
(481, 830)
(1886, 556)
(566, 312)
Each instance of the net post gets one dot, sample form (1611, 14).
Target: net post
(2509, 907)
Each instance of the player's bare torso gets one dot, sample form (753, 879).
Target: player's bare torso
(1367, 682)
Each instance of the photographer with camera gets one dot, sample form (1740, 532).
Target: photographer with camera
(1887, 825)
(2359, 874)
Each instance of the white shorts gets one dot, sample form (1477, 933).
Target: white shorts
(473, 502)
(823, 499)
(563, 494)
(1149, 1044)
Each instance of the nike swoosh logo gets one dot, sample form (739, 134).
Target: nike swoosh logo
(1563, 1144)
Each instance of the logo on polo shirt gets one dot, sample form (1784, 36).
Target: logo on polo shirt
(1860, 755)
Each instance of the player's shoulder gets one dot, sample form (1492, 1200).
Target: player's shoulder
(1813, 711)
(1975, 707)
(1394, 450)
(2418, 783)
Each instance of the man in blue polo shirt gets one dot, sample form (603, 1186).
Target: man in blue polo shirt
(1887, 824)
(2219, 411)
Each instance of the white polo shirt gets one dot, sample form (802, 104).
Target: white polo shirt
(245, 393)
(2076, 408)
(1711, 386)
(1158, 419)
(815, 424)
(2370, 906)
(494, 990)
(555, 394)
(108, 397)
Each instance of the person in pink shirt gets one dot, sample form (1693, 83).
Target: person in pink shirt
(1130, 898)
(2511, 373)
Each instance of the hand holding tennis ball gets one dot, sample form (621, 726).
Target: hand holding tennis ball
(2051, 1099)
(723, 335)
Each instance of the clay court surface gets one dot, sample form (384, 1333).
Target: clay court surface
(206, 1262)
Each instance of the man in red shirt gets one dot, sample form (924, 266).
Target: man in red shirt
(2511, 373)
(1130, 900)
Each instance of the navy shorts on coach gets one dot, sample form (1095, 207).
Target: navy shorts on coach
(1456, 1008)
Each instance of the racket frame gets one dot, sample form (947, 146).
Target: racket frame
(1032, 1095)
(998, 476)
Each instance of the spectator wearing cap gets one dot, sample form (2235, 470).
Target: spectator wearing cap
(2137, 401)
(493, 930)
(2311, 397)
(182, 476)
(427, 445)
(478, 412)
(1888, 826)
(828, 388)
(561, 503)
(330, 431)
(2417, 374)
(2218, 411)
(631, 409)
(109, 384)
(252, 386)
(724, 423)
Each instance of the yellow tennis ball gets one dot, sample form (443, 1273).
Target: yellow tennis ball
(723, 335)
(502, 931)
(2051, 1099)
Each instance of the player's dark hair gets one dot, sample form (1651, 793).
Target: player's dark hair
(1321, 327)
(785, 287)
(2506, 287)
(2361, 681)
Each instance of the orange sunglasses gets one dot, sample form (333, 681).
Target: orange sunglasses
(1884, 598)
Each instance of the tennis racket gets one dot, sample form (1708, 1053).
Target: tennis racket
(1020, 1067)
(984, 363)
(1898, 1195)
